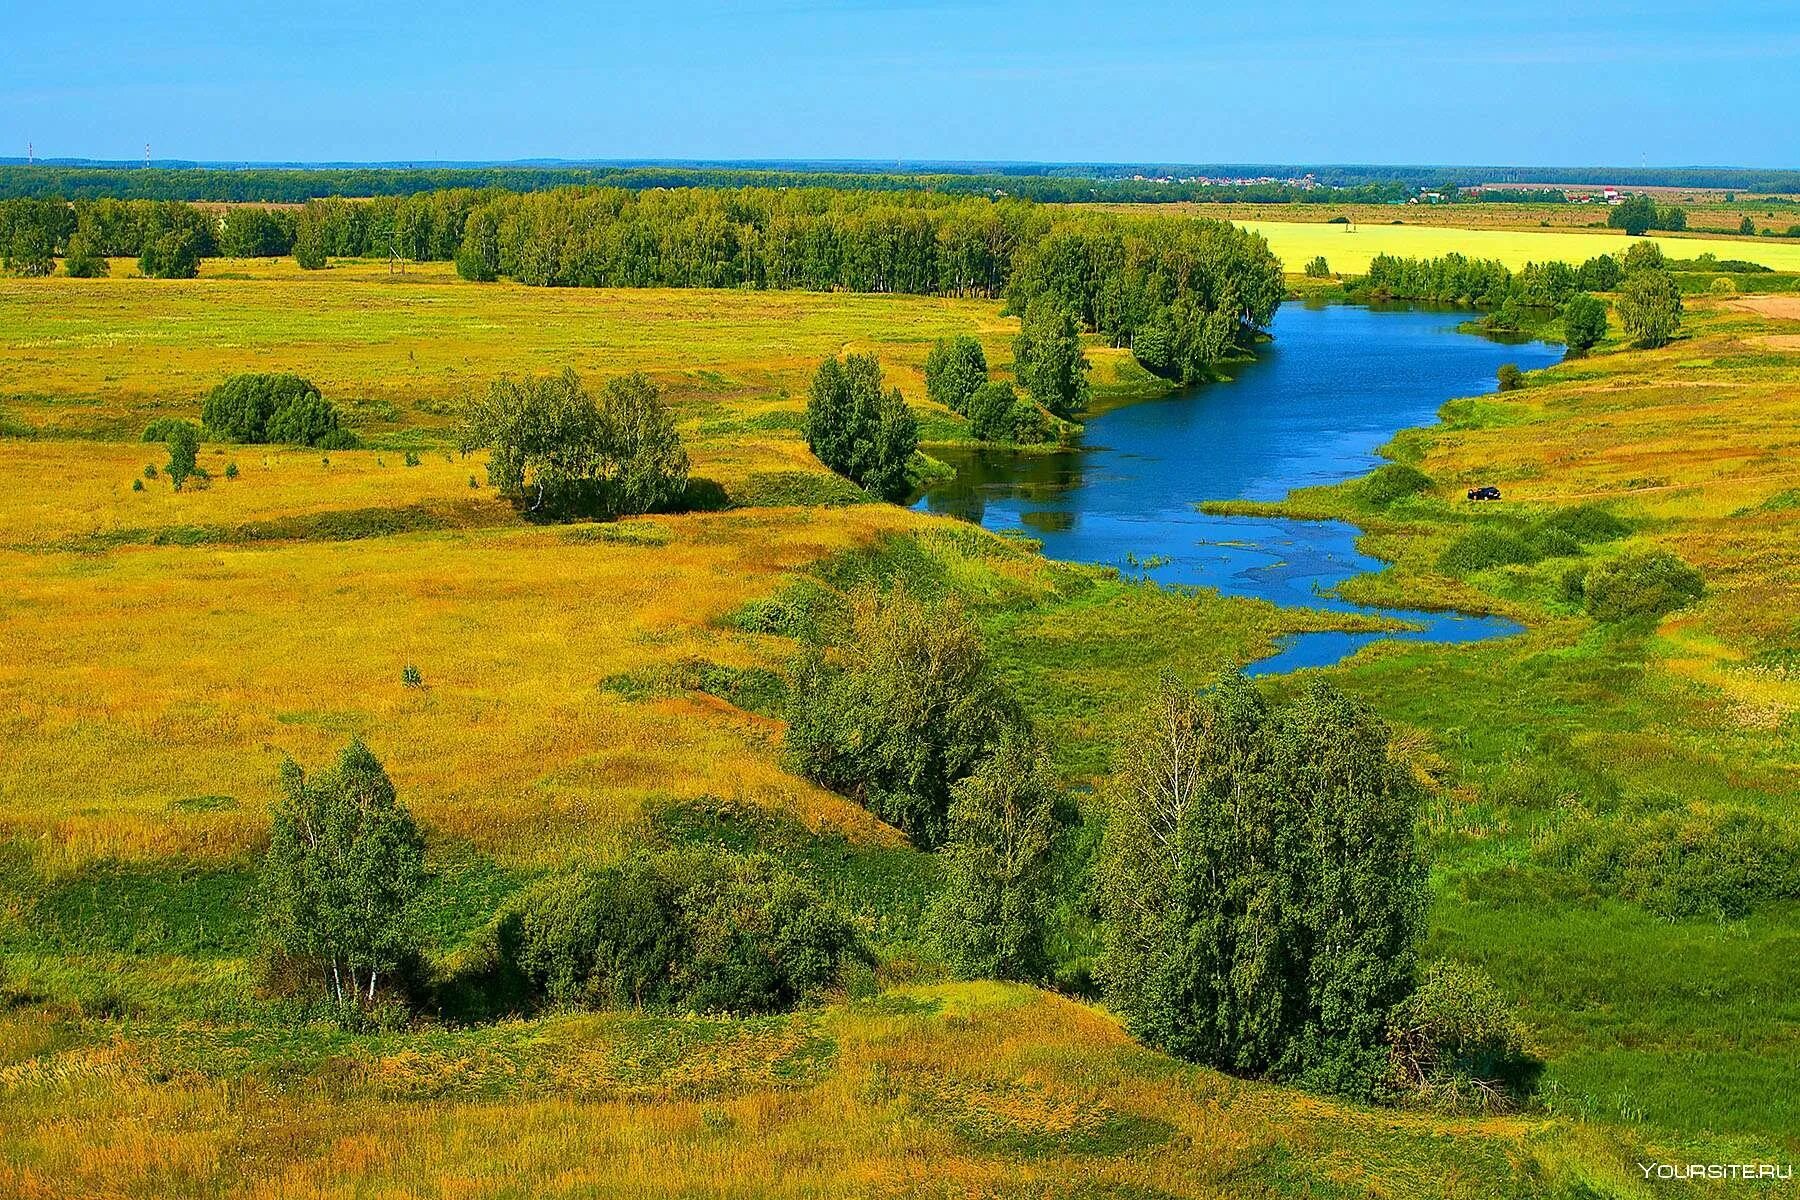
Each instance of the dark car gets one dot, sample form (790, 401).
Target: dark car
(1484, 493)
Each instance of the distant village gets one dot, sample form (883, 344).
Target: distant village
(1310, 182)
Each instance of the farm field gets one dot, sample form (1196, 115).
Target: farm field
(1707, 216)
(159, 651)
(1348, 249)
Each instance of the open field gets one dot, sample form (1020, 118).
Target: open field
(159, 651)
(1348, 248)
(1707, 218)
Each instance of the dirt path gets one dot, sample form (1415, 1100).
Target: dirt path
(1786, 308)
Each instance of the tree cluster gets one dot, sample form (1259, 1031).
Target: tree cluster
(1261, 884)
(343, 873)
(557, 450)
(901, 710)
(865, 434)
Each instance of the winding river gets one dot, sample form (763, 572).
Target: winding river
(1337, 382)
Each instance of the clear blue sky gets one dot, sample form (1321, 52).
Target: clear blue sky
(1553, 83)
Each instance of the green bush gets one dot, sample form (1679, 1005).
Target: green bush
(1640, 586)
(1456, 1045)
(174, 254)
(1318, 268)
(1510, 378)
(159, 429)
(1649, 307)
(1394, 482)
(1586, 523)
(676, 930)
(184, 449)
(1711, 861)
(1484, 546)
(282, 408)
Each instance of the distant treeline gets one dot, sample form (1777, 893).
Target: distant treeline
(1485, 282)
(259, 185)
(1069, 183)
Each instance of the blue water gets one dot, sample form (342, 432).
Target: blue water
(1337, 382)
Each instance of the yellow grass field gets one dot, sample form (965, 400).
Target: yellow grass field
(1348, 248)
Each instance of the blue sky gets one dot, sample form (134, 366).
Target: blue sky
(1564, 83)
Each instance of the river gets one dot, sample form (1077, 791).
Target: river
(1337, 382)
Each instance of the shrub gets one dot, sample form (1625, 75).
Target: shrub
(1643, 256)
(307, 419)
(1640, 586)
(1455, 1044)
(859, 431)
(644, 467)
(1484, 546)
(1712, 861)
(1584, 322)
(1586, 523)
(954, 370)
(906, 707)
(997, 894)
(158, 430)
(1047, 358)
(410, 459)
(150, 470)
(84, 262)
(1510, 378)
(309, 249)
(1650, 307)
(231, 470)
(1260, 884)
(1724, 285)
(410, 677)
(343, 873)
(137, 485)
(256, 408)
(695, 929)
(1318, 268)
(997, 413)
(1394, 482)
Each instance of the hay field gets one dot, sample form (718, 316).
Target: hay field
(1348, 248)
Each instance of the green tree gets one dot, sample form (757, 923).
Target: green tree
(1584, 322)
(174, 254)
(903, 709)
(343, 873)
(545, 436)
(183, 441)
(310, 252)
(1643, 256)
(1153, 346)
(1262, 891)
(83, 261)
(1747, 227)
(30, 251)
(1509, 377)
(1636, 215)
(997, 413)
(1649, 307)
(859, 431)
(646, 466)
(954, 370)
(989, 919)
(1318, 268)
(1600, 273)
(1048, 360)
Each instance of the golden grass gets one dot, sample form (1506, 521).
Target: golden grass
(955, 1090)
(104, 356)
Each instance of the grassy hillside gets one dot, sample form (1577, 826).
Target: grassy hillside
(593, 686)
